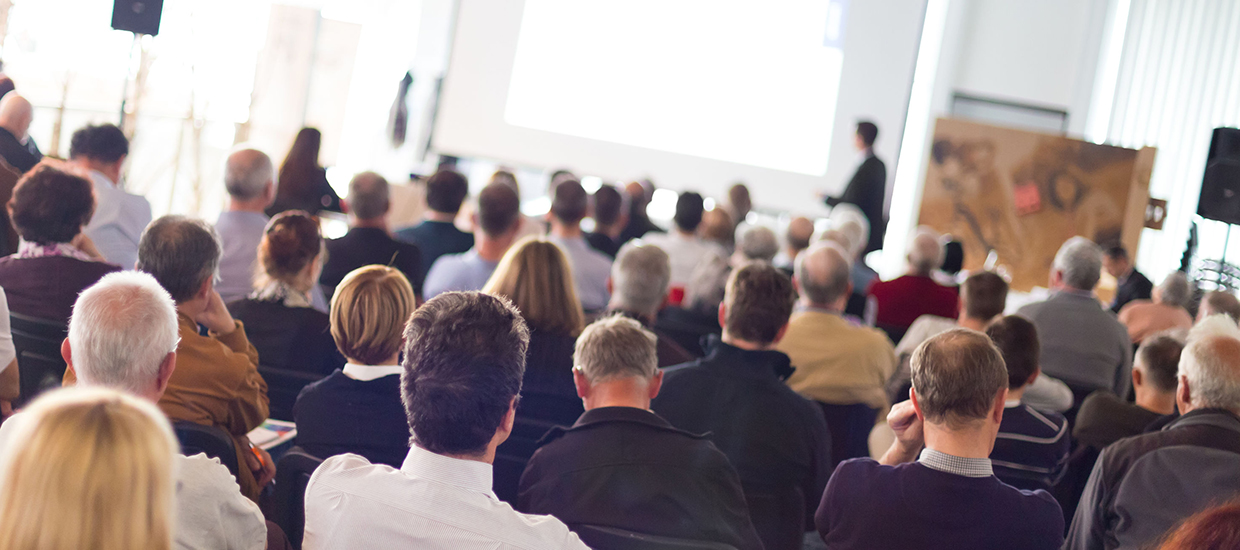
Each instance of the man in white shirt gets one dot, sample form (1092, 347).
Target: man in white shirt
(464, 351)
(123, 335)
(591, 268)
(119, 216)
(683, 245)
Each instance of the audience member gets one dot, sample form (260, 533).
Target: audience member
(902, 300)
(250, 179)
(739, 203)
(640, 194)
(1031, 449)
(590, 268)
(682, 245)
(849, 220)
(868, 186)
(717, 229)
(1105, 418)
(983, 296)
(462, 352)
(10, 379)
(1219, 301)
(123, 336)
(119, 217)
(1082, 344)
(437, 235)
(1216, 528)
(611, 216)
(216, 381)
(95, 471)
(1143, 486)
(368, 241)
(1130, 284)
(280, 319)
(497, 222)
(947, 497)
(303, 182)
(837, 362)
(777, 440)
(753, 243)
(357, 409)
(1165, 312)
(56, 260)
(638, 284)
(622, 466)
(797, 236)
(530, 226)
(17, 148)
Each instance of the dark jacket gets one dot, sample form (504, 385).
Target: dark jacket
(637, 228)
(627, 468)
(868, 190)
(435, 239)
(604, 243)
(1133, 287)
(363, 246)
(47, 287)
(22, 156)
(292, 338)
(338, 415)
(777, 440)
(1144, 485)
(317, 196)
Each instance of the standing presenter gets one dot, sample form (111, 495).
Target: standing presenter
(868, 187)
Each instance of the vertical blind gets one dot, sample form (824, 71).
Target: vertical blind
(1179, 78)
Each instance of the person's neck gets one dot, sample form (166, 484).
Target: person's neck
(686, 234)
(1014, 395)
(487, 457)
(105, 169)
(743, 344)
(491, 249)
(192, 308)
(1153, 401)
(565, 230)
(625, 392)
(970, 323)
(971, 442)
(373, 223)
(437, 216)
(916, 273)
(613, 231)
(252, 205)
(833, 308)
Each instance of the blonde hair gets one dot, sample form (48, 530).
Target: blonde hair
(369, 312)
(88, 468)
(536, 277)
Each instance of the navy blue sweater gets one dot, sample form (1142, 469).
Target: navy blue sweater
(338, 415)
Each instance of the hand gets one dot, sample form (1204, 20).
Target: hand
(87, 246)
(262, 465)
(216, 317)
(907, 426)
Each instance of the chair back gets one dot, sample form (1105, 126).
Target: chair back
(512, 456)
(293, 473)
(599, 537)
(40, 365)
(778, 517)
(209, 440)
(283, 387)
(850, 427)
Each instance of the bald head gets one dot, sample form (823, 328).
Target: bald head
(957, 377)
(1210, 366)
(800, 231)
(16, 112)
(925, 252)
(247, 174)
(822, 274)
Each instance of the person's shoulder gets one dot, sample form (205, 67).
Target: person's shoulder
(1027, 422)
(346, 466)
(1100, 402)
(861, 473)
(200, 475)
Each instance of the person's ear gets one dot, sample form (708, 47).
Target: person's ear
(611, 286)
(796, 284)
(996, 412)
(1138, 378)
(1183, 395)
(582, 384)
(510, 418)
(1032, 377)
(912, 396)
(166, 367)
(656, 383)
(205, 290)
(67, 354)
(723, 315)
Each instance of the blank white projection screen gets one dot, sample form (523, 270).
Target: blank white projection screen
(695, 94)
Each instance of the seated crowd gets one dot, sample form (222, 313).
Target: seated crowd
(484, 379)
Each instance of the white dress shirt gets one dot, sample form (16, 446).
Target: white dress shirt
(431, 502)
(7, 351)
(118, 222)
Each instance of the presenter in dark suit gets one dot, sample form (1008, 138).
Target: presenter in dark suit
(868, 187)
(1130, 284)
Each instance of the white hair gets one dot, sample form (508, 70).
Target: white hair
(822, 273)
(1080, 262)
(1175, 289)
(849, 220)
(246, 173)
(640, 277)
(757, 242)
(925, 251)
(1211, 363)
(121, 330)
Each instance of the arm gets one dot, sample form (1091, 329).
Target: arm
(1088, 525)
(1123, 372)
(10, 382)
(248, 406)
(909, 437)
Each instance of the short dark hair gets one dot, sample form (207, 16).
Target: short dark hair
(1017, 340)
(103, 142)
(608, 204)
(689, 209)
(569, 201)
(50, 205)
(985, 295)
(956, 376)
(868, 131)
(181, 253)
(1117, 252)
(759, 300)
(499, 208)
(1159, 357)
(464, 360)
(446, 190)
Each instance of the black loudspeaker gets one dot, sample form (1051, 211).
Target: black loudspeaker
(1220, 188)
(137, 16)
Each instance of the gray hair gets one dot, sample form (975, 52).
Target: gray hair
(181, 253)
(368, 196)
(823, 273)
(640, 277)
(1175, 289)
(850, 220)
(925, 251)
(957, 375)
(1080, 262)
(757, 242)
(247, 173)
(122, 329)
(1211, 363)
(614, 348)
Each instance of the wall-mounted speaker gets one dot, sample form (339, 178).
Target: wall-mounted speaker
(137, 16)
(1220, 187)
